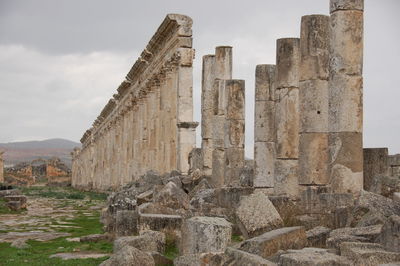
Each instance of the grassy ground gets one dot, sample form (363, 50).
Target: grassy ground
(84, 222)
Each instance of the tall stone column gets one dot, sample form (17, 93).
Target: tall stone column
(264, 127)
(287, 117)
(313, 96)
(207, 111)
(345, 96)
(2, 167)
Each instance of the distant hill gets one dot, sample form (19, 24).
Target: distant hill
(16, 152)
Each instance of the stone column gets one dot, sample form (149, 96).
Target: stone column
(264, 127)
(313, 96)
(1, 167)
(345, 96)
(287, 117)
(207, 112)
(375, 164)
(223, 62)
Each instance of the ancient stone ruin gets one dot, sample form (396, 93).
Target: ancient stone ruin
(1, 167)
(312, 195)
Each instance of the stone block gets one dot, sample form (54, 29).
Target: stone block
(235, 256)
(313, 159)
(21, 198)
(357, 234)
(345, 103)
(367, 254)
(287, 123)
(346, 162)
(264, 164)
(265, 83)
(234, 164)
(161, 260)
(172, 196)
(286, 178)
(256, 215)
(287, 62)
(159, 222)
(264, 121)
(205, 234)
(312, 257)
(229, 197)
(218, 168)
(337, 5)
(235, 99)
(129, 256)
(218, 125)
(314, 106)
(390, 237)
(234, 133)
(202, 259)
(317, 236)
(271, 242)
(126, 223)
(14, 205)
(223, 62)
(314, 45)
(148, 241)
(375, 164)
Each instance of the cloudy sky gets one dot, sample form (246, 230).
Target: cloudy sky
(60, 61)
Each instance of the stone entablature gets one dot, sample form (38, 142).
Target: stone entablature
(148, 124)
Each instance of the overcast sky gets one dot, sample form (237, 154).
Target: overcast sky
(60, 61)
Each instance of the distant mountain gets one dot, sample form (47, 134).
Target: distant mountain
(16, 152)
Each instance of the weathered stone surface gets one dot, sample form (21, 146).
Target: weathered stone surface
(159, 222)
(129, 256)
(205, 234)
(172, 196)
(79, 255)
(126, 223)
(375, 163)
(385, 185)
(256, 215)
(286, 177)
(96, 238)
(346, 162)
(312, 257)
(357, 234)
(264, 162)
(229, 197)
(265, 83)
(287, 62)
(367, 254)
(317, 236)
(336, 5)
(390, 237)
(314, 44)
(269, 243)
(238, 257)
(202, 259)
(264, 121)
(161, 260)
(13, 199)
(313, 159)
(148, 241)
(223, 62)
(144, 197)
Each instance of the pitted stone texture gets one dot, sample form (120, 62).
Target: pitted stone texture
(317, 236)
(286, 178)
(265, 83)
(287, 123)
(346, 95)
(172, 196)
(207, 95)
(234, 133)
(159, 222)
(375, 164)
(336, 5)
(205, 234)
(202, 259)
(264, 120)
(264, 161)
(234, 98)
(126, 223)
(271, 242)
(313, 159)
(314, 45)
(235, 257)
(148, 241)
(367, 254)
(287, 62)
(312, 257)
(390, 237)
(357, 234)
(256, 215)
(346, 162)
(223, 62)
(314, 106)
(129, 256)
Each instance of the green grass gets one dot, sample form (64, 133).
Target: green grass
(236, 238)
(62, 193)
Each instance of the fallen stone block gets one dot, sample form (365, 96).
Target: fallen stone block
(256, 215)
(126, 223)
(21, 198)
(144, 197)
(148, 241)
(367, 254)
(161, 260)
(390, 237)
(9, 192)
(129, 256)
(269, 243)
(317, 236)
(14, 205)
(238, 257)
(357, 234)
(96, 238)
(312, 257)
(79, 255)
(229, 197)
(159, 222)
(205, 234)
(172, 196)
(202, 259)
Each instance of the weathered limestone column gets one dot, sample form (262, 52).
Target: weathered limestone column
(222, 72)
(287, 117)
(375, 164)
(345, 96)
(1, 167)
(264, 127)
(207, 111)
(314, 104)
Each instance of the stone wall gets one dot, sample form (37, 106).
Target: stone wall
(394, 165)
(148, 124)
